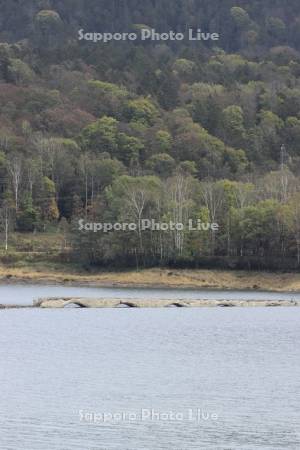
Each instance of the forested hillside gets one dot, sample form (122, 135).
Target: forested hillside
(122, 131)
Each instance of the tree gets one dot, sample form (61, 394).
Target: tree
(6, 221)
(184, 68)
(132, 198)
(233, 126)
(48, 28)
(161, 164)
(179, 204)
(101, 136)
(275, 27)
(240, 17)
(141, 110)
(129, 149)
(14, 164)
(278, 185)
(19, 72)
(105, 98)
(47, 201)
(163, 141)
(28, 218)
(212, 195)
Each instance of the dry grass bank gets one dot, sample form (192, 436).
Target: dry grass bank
(155, 278)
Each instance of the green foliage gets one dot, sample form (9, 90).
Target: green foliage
(129, 149)
(19, 72)
(161, 164)
(233, 124)
(104, 88)
(48, 20)
(106, 98)
(107, 170)
(164, 130)
(48, 29)
(28, 219)
(163, 141)
(184, 67)
(141, 110)
(276, 27)
(48, 205)
(240, 17)
(101, 136)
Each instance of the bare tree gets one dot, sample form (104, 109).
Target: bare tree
(48, 149)
(14, 165)
(213, 198)
(244, 194)
(5, 222)
(279, 185)
(178, 193)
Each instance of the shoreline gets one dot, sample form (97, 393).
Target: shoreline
(155, 278)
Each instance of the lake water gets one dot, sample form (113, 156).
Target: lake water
(239, 367)
(25, 294)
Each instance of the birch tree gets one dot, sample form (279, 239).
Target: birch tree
(212, 194)
(14, 165)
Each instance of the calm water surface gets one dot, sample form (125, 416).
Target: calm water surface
(241, 364)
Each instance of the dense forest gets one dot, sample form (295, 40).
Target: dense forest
(124, 131)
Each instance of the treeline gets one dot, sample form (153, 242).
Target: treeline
(243, 24)
(259, 222)
(191, 130)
